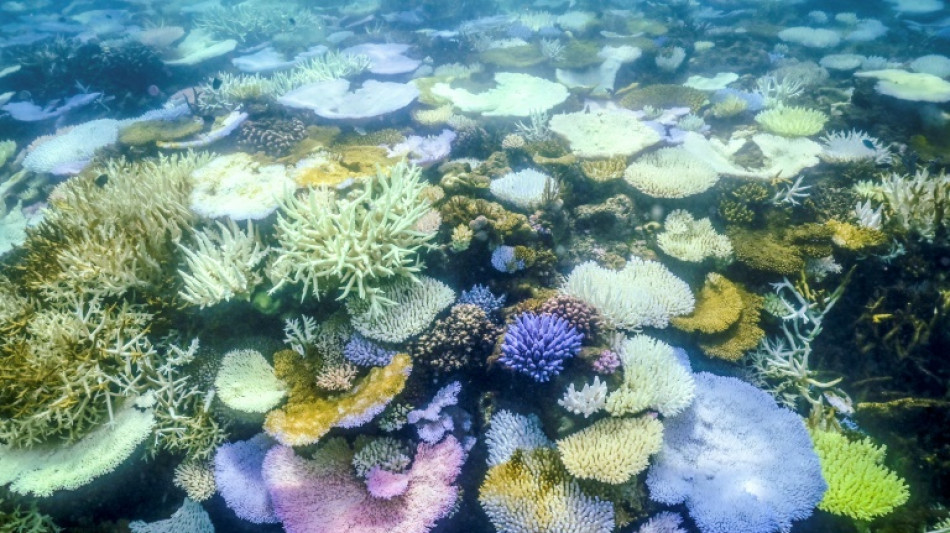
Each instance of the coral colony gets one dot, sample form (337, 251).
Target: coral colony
(513, 266)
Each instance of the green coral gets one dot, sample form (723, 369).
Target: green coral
(7, 148)
(744, 204)
(26, 520)
(513, 56)
(502, 224)
(859, 485)
(578, 54)
(149, 131)
(662, 96)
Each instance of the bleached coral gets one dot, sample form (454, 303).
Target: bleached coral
(587, 401)
(510, 432)
(810, 37)
(527, 189)
(238, 187)
(793, 121)
(688, 239)
(189, 517)
(356, 243)
(653, 378)
(851, 146)
(670, 173)
(416, 303)
(604, 133)
(222, 265)
(919, 203)
(611, 450)
(196, 478)
(246, 382)
(643, 293)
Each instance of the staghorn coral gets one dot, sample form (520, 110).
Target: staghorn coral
(611, 450)
(222, 264)
(382, 452)
(27, 520)
(97, 240)
(859, 485)
(587, 401)
(309, 413)
(463, 338)
(356, 243)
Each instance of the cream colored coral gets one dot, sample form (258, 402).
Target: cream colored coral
(222, 264)
(416, 304)
(653, 378)
(246, 382)
(688, 239)
(196, 478)
(612, 450)
(793, 121)
(670, 173)
(588, 400)
(643, 293)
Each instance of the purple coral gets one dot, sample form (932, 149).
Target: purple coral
(504, 260)
(237, 473)
(363, 352)
(537, 345)
(434, 422)
(482, 296)
(607, 362)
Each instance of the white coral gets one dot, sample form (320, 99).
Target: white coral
(688, 239)
(587, 401)
(416, 305)
(853, 145)
(222, 265)
(671, 173)
(526, 189)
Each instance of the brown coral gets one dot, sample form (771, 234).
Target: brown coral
(579, 314)
(458, 340)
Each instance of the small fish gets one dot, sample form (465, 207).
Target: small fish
(216, 83)
(868, 144)
(101, 180)
(292, 21)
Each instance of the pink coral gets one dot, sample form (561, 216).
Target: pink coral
(323, 495)
(385, 484)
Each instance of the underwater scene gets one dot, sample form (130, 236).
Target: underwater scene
(513, 266)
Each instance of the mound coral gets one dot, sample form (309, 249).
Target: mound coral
(611, 450)
(309, 414)
(859, 486)
(465, 337)
(357, 242)
(578, 314)
(537, 345)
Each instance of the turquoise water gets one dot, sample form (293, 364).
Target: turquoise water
(486, 266)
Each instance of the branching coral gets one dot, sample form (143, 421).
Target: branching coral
(355, 243)
(463, 338)
(611, 450)
(222, 265)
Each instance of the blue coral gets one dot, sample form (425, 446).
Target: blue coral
(537, 345)
(482, 296)
(504, 260)
(364, 352)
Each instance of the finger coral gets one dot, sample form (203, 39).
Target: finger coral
(537, 345)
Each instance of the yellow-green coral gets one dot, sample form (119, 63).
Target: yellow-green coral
(859, 485)
(794, 121)
(149, 131)
(310, 413)
(612, 450)
(781, 250)
(855, 238)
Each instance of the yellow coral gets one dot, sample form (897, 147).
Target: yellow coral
(855, 238)
(612, 450)
(309, 414)
(718, 306)
(742, 336)
(859, 486)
